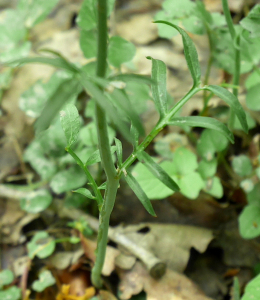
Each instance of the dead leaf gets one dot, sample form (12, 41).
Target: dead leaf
(172, 286)
(125, 262)
(170, 243)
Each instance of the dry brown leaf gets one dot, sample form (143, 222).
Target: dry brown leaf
(172, 286)
(170, 243)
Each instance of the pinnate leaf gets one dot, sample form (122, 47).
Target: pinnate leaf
(84, 192)
(157, 171)
(70, 123)
(135, 186)
(190, 53)
(159, 91)
(232, 101)
(205, 122)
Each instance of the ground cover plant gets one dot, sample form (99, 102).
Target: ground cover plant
(87, 162)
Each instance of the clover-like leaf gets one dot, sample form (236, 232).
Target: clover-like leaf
(190, 53)
(242, 165)
(135, 186)
(120, 51)
(12, 293)
(214, 187)
(67, 180)
(36, 201)
(6, 277)
(70, 123)
(252, 289)
(41, 245)
(45, 280)
(249, 221)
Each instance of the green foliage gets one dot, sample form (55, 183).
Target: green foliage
(13, 293)
(242, 165)
(252, 289)
(6, 277)
(36, 201)
(252, 22)
(45, 280)
(41, 245)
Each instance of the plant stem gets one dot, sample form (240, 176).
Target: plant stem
(236, 44)
(104, 149)
(89, 176)
(159, 126)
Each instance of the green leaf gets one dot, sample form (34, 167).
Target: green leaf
(250, 121)
(45, 280)
(119, 151)
(88, 134)
(210, 142)
(95, 156)
(184, 161)
(134, 136)
(236, 289)
(56, 62)
(6, 277)
(247, 185)
(67, 91)
(103, 186)
(232, 101)
(214, 187)
(253, 197)
(70, 123)
(204, 122)
(191, 184)
(153, 187)
(35, 11)
(190, 53)
(84, 192)
(207, 169)
(67, 180)
(249, 221)
(135, 186)
(36, 201)
(41, 245)
(142, 79)
(252, 291)
(120, 51)
(34, 154)
(252, 21)
(252, 80)
(194, 25)
(242, 165)
(88, 43)
(87, 17)
(252, 97)
(159, 90)
(121, 100)
(12, 293)
(104, 103)
(157, 171)
(32, 101)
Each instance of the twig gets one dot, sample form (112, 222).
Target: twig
(155, 266)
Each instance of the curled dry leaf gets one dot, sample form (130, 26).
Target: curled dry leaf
(172, 286)
(170, 243)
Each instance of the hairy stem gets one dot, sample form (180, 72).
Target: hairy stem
(104, 149)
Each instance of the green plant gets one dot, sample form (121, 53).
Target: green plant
(92, 144)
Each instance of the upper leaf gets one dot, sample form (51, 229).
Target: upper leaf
(159, 91)
(67, 91)
(232, 101)
(205, 122)
(157, 171)
(252, 21)
(190, 53)
(84, 192)
(135, 186)
(70, 123)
